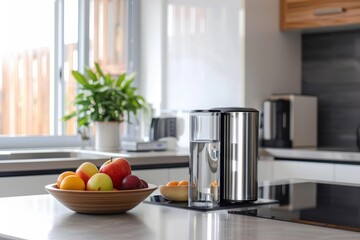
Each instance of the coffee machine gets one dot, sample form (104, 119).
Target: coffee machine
(289, 120)
(223, 156)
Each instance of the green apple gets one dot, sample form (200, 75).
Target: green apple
(99, 182)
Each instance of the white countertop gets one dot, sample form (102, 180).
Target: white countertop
(149, 159)
(42, 217)
(136, 159)
(319, 154)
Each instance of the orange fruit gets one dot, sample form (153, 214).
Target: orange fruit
(172, 183)
(183, 183)
(62, 176)
(214, 183)
(72, 182)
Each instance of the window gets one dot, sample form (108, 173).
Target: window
(26, 50)
(36, 58)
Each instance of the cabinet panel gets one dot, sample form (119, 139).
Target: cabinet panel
(177, 174)
(303, 170)
(265, 170)
(303, 14)
(162, 176)
(154, 176)
(347, 173)
(26, 185)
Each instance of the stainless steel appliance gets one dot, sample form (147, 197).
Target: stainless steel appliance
(358, 137)
(289, 121)
(223, 155)
(163, 127)
(276, 123)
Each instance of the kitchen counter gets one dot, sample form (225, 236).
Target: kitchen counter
(339, 155)
(49, 165)
(161, 159)
(42, 217)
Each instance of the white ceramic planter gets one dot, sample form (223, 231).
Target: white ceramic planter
(107, 136)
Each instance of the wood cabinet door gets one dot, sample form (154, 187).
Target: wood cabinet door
(306, 14)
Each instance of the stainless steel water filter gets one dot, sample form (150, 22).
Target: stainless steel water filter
(239, 154)
(204, 158)
(224, 141)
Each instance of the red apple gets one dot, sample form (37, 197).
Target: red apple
(117, 169)
(86, 171)
(131, 182)
(144, 183)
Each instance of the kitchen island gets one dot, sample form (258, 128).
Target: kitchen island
(42, 217)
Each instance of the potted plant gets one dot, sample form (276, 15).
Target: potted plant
(107, 101)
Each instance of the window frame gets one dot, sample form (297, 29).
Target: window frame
(132, 40)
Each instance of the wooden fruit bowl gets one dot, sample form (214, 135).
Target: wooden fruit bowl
(174, 193)
(100, 202)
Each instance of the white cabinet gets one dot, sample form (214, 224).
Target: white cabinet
(25, 185)
(347, 173)
(178, 174)
(303, 170)
(154, 176)
(162, 176)
(265, 168)
(31, 185)
(269, 169)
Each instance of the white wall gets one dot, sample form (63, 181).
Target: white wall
(151, 49)
(204, 54)
(217, 53)
(273, 58)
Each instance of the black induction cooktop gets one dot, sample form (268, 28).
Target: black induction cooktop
(322, 204)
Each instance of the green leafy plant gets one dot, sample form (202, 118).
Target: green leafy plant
(103, 97)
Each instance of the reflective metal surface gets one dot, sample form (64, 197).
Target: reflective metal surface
(240, 156)
(204, 159)
(323, 204)
(46, 154)
(39, 155)
(204, 126)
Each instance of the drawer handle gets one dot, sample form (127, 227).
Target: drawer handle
(328, 11)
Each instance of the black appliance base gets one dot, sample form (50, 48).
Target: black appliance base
(160, 200)
(276, 143)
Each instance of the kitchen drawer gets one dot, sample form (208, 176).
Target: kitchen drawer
(347, 173)
(25, 185)
(307, 14)
(303, 170)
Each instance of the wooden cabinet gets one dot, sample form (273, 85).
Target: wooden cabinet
(307, 14)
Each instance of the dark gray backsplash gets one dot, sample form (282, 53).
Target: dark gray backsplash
(331, 71)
